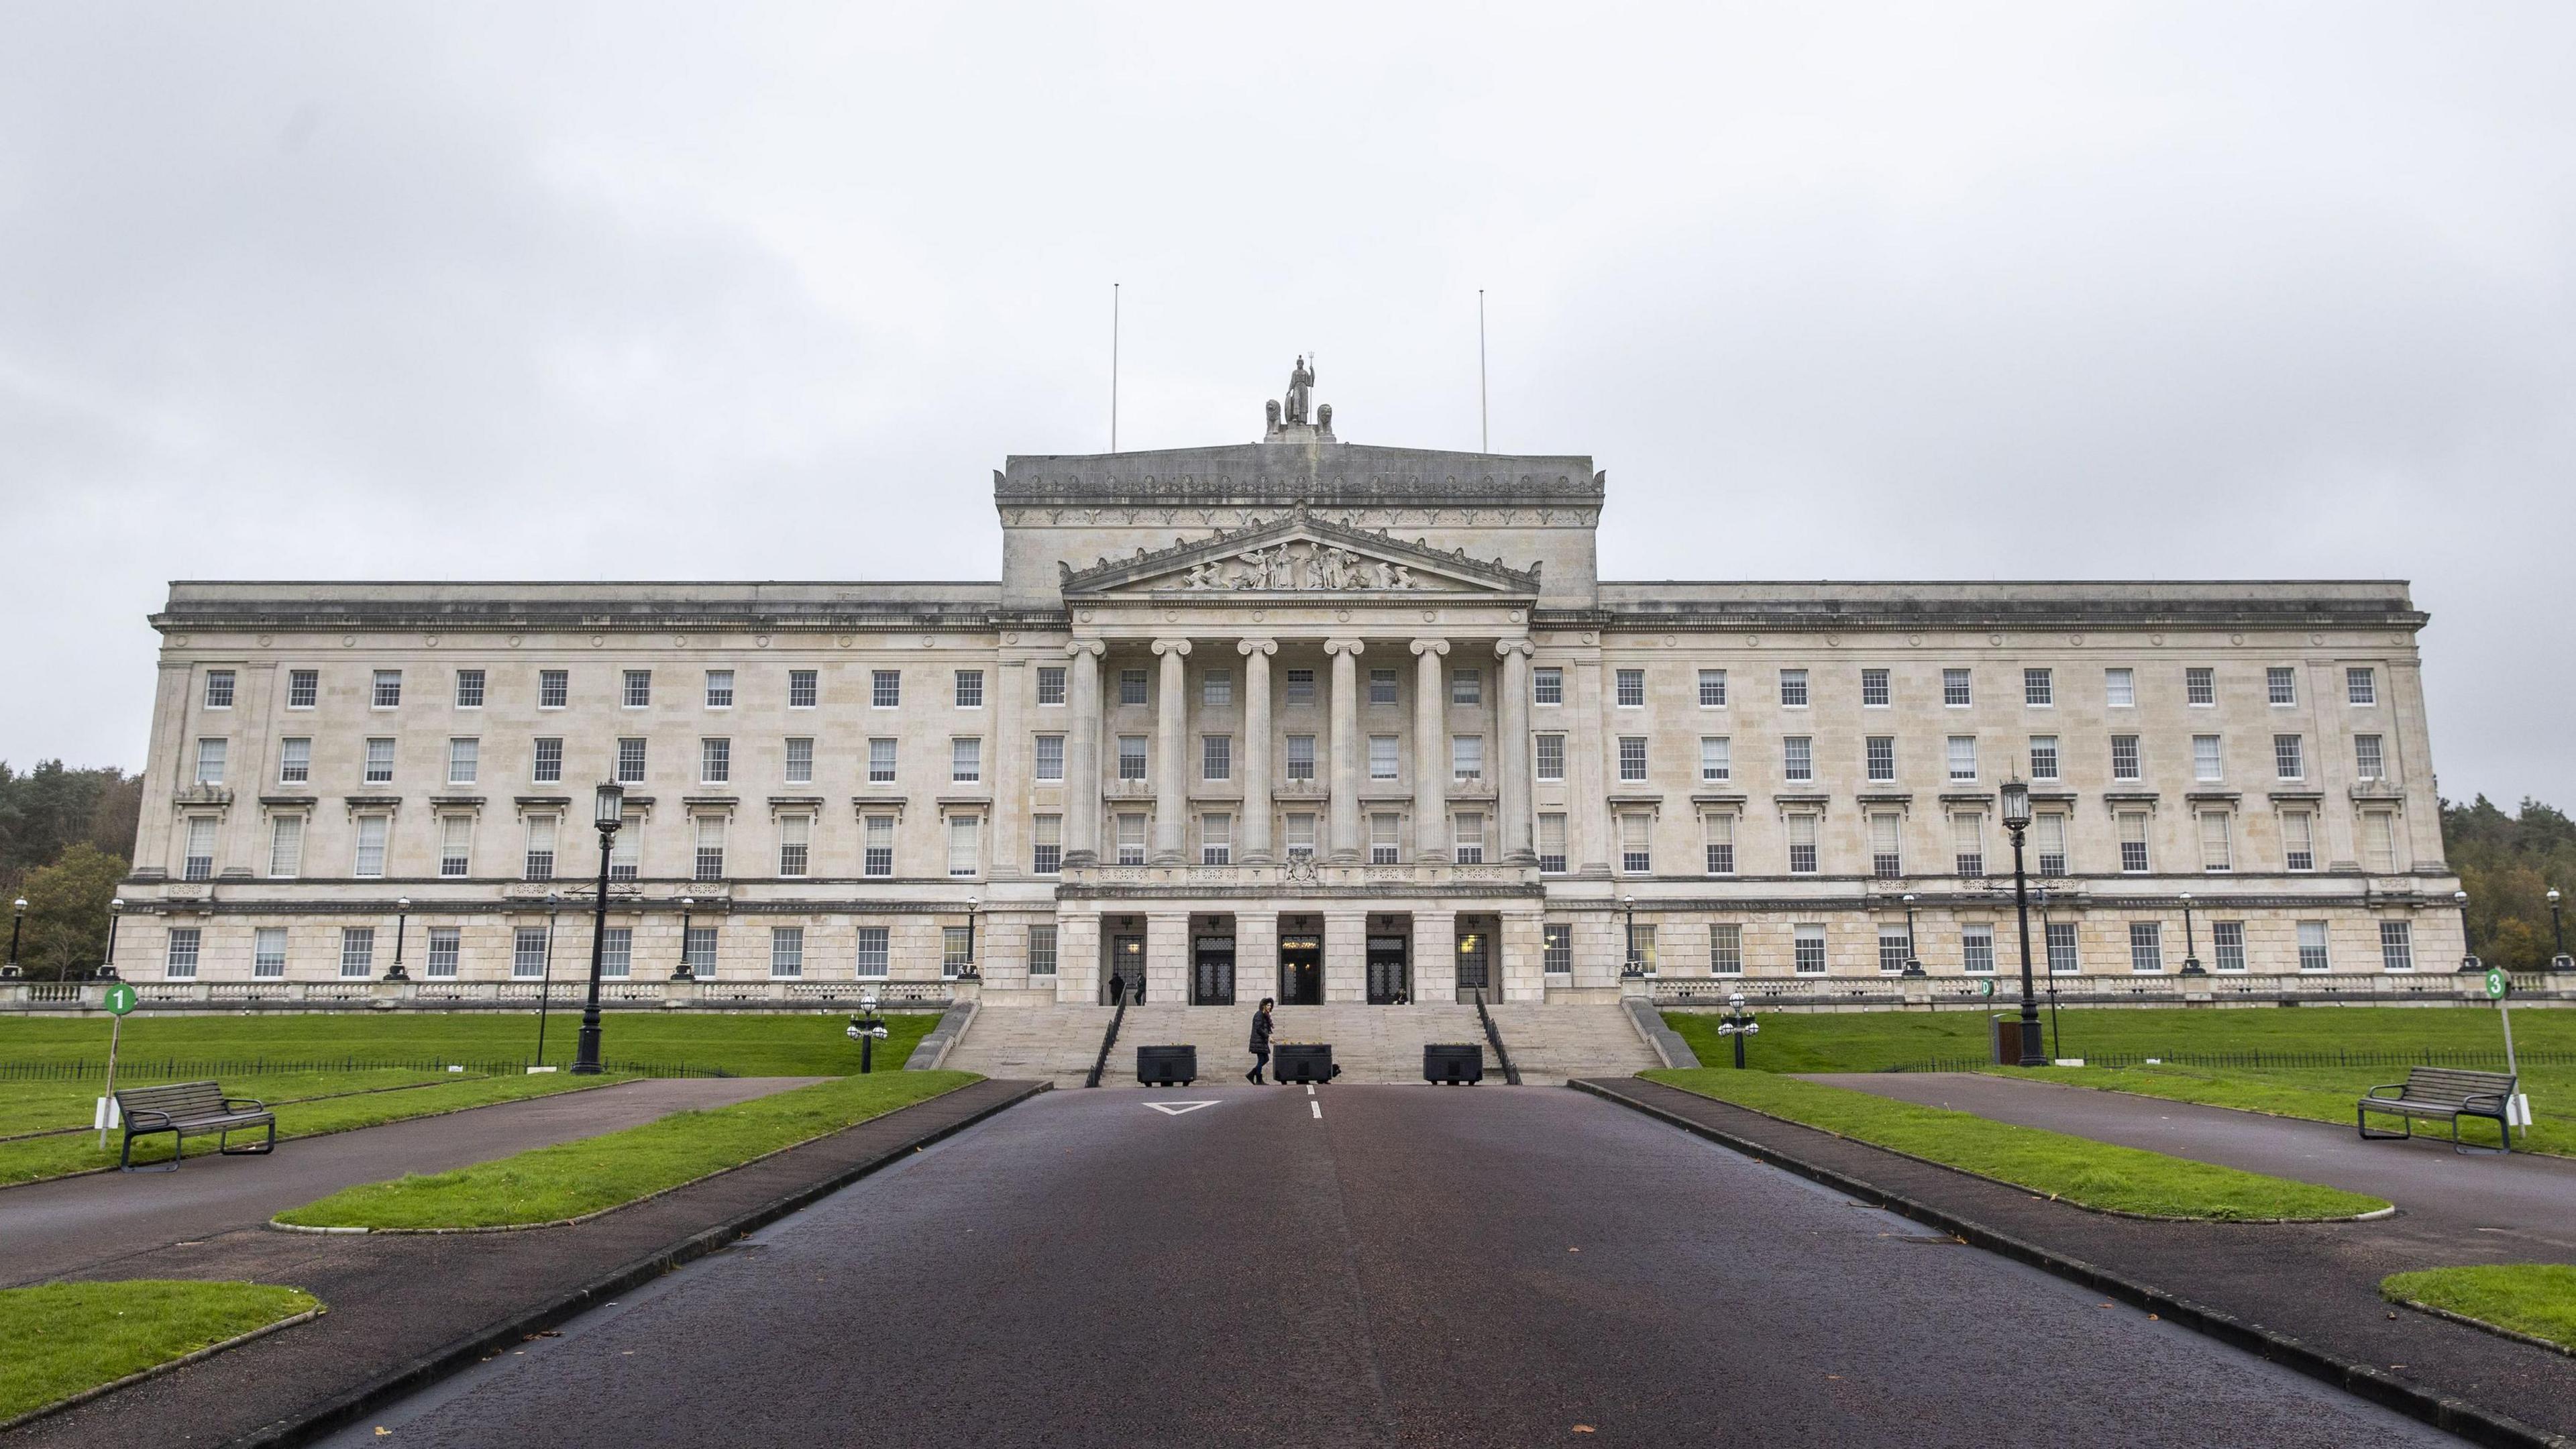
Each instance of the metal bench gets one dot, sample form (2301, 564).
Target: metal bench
(190, 1109)
(2440, 1092)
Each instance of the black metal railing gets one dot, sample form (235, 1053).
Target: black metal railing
(2472, 1058)
(1502, 1054)
(1108, 1041)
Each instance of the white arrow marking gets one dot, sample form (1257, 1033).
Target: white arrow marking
(1175, 1109)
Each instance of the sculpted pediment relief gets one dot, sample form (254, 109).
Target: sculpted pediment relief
(1299, 554)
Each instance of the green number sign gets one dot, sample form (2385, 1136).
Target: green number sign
(2497, 984)
(1985, 988)
(122, 998)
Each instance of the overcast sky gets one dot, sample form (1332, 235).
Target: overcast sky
(2057, 291)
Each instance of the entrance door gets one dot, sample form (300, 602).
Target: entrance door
(1475, 964)
(1390, 970)
(1301, 971)
(1126, 965)
(1212, 972)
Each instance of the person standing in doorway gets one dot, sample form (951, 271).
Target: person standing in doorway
(1260, 1043)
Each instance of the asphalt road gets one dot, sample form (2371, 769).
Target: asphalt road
(1366, 1265)
(83, 1224)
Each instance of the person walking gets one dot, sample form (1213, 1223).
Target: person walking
(1260, 1043)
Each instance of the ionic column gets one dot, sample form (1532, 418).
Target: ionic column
(1256, 748)
(1082, 756)
(1171, 741)
(1345, 815)
(1512, 750)
(1430, 751)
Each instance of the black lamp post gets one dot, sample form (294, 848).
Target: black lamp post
(115, 914)
(1738, 1024)
(18, 923)
(2558, 961)
(687, 904)
(969, 971)
(608, 812)
(1913, 958)
(1635, 965)
(2016, 818)
(2470, 965)
(402, 918)
(2190, 942)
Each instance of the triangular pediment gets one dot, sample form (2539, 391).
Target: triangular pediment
(1297, 553)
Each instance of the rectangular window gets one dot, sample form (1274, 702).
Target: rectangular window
(199, 862)
(1131, 686)
(698, 949)
(2124, 757)
(388, 689)
(369, 863)
(707, 861)
(1301, 757)
(1556, 956)
(1802, 844)
(2378, 841)
(965, 845)
(1131, 757)
(2200, 685)
(1712, 689)
(1808, 944)
(1893, 949)
(1467, 845)
(210, 761)
(2227, 944)
(528, 952)
(786, 952)
(881, 762)
(2063, 958)
(715, 761)
(1963, 759)
(1968, 842)
(2120, 688)
(303, 688)
(885, 688)
(1050, 759)
(380, 761)
(1718, 849)
(464, 761)
(1381, 686)
(2298, 840)
(1977, 950)
(1384, 839)
(1216, 838)
(1050, 692)
(873, 960)
(638, 691)
(2396, 946)
(2216, 849)
(2048, 835)
(1793, 689)
(2043, 757)
(1551, 843)
(876, 859)
(2133, 841)
(469, 689)
(1216, 757)
(546, 767)
(2038, 688)
(805, 688)
(295, 761)
(626, 851)
(2207, 765)
(956, 951)
(1466, 686)
(1631, 686)
(1300, 686)
(1874, 691)
(2146, 946)
(795, 843)
(2312, 947)
(357, 952)
(455, 846)
(970, 689)
(1641, 947)
(1955, 691)
(1300, 833)
(719, 689)
(617, 952)
(1467, 758)
(1551, 757)
(2367, 761)
(1547, 686)
(286, 846)
(1716, 759)
(1041, 950)
(630, 761)
(1879, 758)
(965, 760)
(1726, 949)
(1382, 760)
(1632, 757)
(1886, 853)
(1636, 842)
(554, 688)
(2281, 684)
(1797, 758)
(219, 695)
(1046, 844)
(268, 952)
(800, 760)
(2289, 759)
(2361, 686)
(540, 855)
(1131, 839)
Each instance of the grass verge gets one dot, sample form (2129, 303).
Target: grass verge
(573, 1179)
(67, 1338)
(2537, 1300)
(2070, 1169)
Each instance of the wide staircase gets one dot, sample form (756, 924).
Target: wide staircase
(1370, 1043)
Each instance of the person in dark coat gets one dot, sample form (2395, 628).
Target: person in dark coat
(1260, 1043)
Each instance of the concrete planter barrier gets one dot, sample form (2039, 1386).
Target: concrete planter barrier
(1166, 1066)
(1304, 1061)
(1454, 1063)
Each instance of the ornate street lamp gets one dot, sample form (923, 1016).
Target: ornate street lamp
(1635, 965)
(2016, 818)
(970, 971)
(608, 812)
(1738, 1023)
(2470, 965)
(687, 904)
(2559, 961)
(18, 923)
(1913, 959)
(2190, 942)
(402, 918)
(115, 914)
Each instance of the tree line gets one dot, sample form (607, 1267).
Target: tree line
(2507, 864)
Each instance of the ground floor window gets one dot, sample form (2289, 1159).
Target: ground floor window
(2312, 947)
(2397, 945)
(528, 953)
(1726, 950)
(1558, 959)
(2063, 957)
(357, 952)
(268, 952)
(2146, 946)
(442, 952)
(1893, 948)
(1041, 950)
(872, 957)
(786, 952)
(1977, 949)
(956, 950)
(182, 963)
(617, 952)
(698, 951)
(1809, 947)
(2227, 943)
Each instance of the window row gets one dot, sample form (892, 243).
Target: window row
(2059, 948)
(532, 949)
(470, 687)
(1958, 688)
(1958, 759)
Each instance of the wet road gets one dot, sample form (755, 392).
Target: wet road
(1368, 1265)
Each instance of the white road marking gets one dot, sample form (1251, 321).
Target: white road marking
(1175, 1109)
(1310, 1089)
(1318, 1109)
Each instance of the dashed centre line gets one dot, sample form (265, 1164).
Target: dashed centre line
(1318, 1109)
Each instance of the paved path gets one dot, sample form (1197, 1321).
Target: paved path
(2529, 1201)
(1363, 1266)
(81, 1224)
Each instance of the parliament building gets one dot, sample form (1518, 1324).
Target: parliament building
(1325, 721)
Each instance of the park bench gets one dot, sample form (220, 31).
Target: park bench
(2440, 1092)
(189, 1109)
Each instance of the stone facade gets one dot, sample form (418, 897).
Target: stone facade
(1366, 717)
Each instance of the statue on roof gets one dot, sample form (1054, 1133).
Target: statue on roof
(1301, 389)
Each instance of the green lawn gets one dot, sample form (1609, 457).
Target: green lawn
(2534, 1298)
(550, 1184)
(2075, 1169)
(64, 1338)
